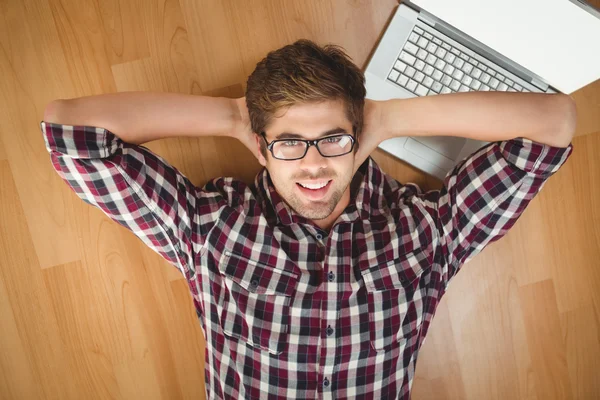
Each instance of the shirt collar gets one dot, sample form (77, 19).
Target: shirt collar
(366, 197)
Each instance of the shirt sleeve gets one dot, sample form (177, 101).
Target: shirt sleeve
(485, 194)
(134, 187)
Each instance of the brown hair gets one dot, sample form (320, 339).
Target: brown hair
(304, 72)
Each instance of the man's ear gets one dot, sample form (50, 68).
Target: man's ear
(261, 159)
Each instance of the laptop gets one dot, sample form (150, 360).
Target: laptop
(433, 47)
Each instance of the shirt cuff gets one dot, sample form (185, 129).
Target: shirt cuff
(534, 157)
(85, 142)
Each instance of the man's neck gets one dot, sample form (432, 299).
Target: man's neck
(327, 223)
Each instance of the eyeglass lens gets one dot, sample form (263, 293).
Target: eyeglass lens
(330, 146)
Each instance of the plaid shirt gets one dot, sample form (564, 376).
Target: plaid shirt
(289, 310)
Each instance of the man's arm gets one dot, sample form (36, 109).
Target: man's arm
(133, 186)
(140, 117)
(484, 195)
(487, 116)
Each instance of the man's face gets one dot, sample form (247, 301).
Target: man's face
(311, 121)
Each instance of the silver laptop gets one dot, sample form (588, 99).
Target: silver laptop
(421, 54)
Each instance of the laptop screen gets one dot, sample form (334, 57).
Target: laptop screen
(555, 39)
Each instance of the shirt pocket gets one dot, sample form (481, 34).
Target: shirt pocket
(395, 298)
(256, 305)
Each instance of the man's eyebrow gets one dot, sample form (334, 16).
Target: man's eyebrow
(289, 135)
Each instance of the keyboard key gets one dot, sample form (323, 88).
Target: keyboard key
(411, 85)
(449, 69)
(411, 48)
(509, 82)
(454, 85)
(423, 42)
(413, 37)
(407, 58)
(428, 70)
(441, 53)
(482, 67)
(459, 62)
(410, 71)
(485, 88)
(437, 41)
(458, 74)
(475, 84)
(446, 46)
(446, 80)
(393, 75)
(518, 87)
(422, 54)
(418, 30)
(422, 90)
(436, 87)
(419, 65)
(466, 80)
(419, 76)
(473, 61)
(476, 73)
(400, 66)
(445, 90)
(464, 88)
(440, 64)
(402, 80)
(455, 51)
(464, 56)
(491, 72)
(502, 87)
(450, 58)
(427, 81)
(431, 47)
(500, 77)
(467, 68)
(494, 83)
(437, 75)
(431, 59)
(485, 78)
(428, 35)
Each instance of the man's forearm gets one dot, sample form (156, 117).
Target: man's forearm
(485, 116)
(140, 117)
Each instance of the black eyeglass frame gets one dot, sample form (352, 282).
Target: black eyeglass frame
(308, 144)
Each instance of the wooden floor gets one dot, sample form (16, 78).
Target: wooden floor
(88, 312)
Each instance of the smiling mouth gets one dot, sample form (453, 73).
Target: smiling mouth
(317, 193)
(315, 185)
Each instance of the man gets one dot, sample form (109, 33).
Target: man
(319, 280)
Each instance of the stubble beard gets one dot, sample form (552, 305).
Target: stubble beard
(317, 209)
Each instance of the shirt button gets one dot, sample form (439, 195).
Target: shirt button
(253, 285)
(329, 330)
(325, 382)
(319, 236)
(331, 276)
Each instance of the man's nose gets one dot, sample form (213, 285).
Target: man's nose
(313, 159)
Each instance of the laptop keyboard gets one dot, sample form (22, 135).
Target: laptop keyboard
(429, 65)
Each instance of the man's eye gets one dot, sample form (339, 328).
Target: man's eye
(332, 139)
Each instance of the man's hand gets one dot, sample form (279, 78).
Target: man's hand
(243, 131)
(374, 132)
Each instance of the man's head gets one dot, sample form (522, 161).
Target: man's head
(307, 90)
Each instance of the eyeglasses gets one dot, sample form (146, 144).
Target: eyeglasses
(295, 149)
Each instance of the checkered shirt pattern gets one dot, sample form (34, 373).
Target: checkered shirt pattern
(288, 310)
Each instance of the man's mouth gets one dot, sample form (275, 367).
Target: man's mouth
(314, 189)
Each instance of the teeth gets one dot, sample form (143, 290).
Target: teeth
(315, 186)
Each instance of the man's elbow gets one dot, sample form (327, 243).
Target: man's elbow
(51, 112)
(568, 116)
